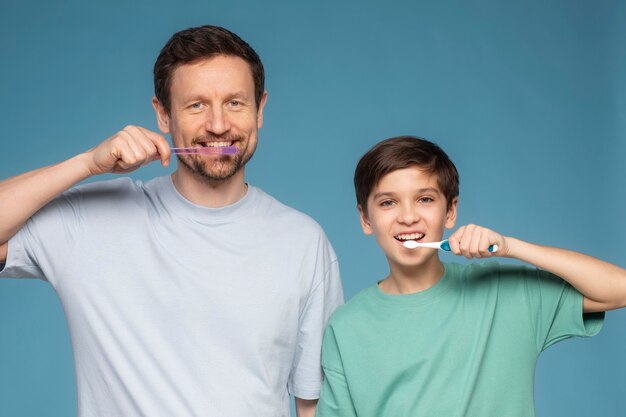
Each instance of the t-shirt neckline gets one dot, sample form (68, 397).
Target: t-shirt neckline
(426, 296)
(183, 207)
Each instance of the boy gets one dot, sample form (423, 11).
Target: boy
(434, 339)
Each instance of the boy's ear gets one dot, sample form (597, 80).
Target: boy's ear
(451, 213)
(365, 222)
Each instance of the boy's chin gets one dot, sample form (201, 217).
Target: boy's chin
(425, 257)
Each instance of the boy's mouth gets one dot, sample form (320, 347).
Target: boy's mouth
(403, 237)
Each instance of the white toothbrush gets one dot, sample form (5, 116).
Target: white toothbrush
(443, 245)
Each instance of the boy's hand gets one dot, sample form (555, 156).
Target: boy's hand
(128, 150)
(473, 241)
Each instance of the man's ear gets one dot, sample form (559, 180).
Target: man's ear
(259, 113)
(162, 116)
(365, 222)
(451, 213)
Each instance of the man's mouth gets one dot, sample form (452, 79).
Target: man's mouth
(213, 144)
(409, 236)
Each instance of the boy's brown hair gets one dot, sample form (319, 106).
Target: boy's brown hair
(403, 152)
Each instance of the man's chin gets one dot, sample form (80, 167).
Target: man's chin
(220, 170)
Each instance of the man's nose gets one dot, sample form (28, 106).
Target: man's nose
(217, 121)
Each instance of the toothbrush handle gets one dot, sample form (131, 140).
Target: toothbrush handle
(446, 246)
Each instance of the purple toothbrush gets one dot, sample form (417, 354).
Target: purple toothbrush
(206, 150)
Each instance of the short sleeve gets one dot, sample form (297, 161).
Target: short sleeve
(306, 373)
(44, 241)
(335, 399)
(556, 309)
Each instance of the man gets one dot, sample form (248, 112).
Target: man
(194, 294)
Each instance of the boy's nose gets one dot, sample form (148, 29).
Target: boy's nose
(408, 215)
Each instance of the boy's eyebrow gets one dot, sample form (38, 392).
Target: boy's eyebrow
(429, 190)
(418, 191)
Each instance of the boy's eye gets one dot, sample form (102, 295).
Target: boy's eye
(425, 200)
(386, 203)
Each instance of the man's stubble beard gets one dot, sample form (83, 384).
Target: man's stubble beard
(231, 165)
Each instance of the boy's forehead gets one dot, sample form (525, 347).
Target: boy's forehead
(412, 178)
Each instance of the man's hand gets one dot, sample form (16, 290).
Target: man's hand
(473, 241)
(127, 150)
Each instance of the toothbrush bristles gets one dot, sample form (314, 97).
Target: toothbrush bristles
(206, 150)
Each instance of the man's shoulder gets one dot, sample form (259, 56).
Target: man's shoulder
(281, 213)
(121, 184)
(103, 194)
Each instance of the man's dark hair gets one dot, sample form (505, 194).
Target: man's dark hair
(399, 153)
(193, 44)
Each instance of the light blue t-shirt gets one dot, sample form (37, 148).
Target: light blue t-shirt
(466, 347)
(176, 309)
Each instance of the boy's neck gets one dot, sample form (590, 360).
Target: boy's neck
(413, 279)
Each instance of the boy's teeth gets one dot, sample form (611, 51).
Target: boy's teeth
(410, 236)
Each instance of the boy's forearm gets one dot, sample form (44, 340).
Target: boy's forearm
(23, 195)
(601, 282)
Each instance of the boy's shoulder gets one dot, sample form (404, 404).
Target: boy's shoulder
(489, 271)
(359, 307)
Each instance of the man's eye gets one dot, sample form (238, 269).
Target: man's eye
(196, 106)
(234, 103)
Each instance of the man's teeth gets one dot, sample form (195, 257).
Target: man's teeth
(216, 144)
(410, 236)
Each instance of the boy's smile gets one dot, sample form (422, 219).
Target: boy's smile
(408, 204)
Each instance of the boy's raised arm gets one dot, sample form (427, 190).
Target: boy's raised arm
(23, 195)
(602, 284)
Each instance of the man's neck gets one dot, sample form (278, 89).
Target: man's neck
(210, 193)
(409, 280)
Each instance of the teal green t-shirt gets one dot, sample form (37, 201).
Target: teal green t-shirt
(467, 346)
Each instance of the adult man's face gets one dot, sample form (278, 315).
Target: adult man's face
(213, 104)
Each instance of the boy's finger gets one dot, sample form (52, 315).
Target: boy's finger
(484, 246)
(466, 241)
(454, 240)
(475, 242)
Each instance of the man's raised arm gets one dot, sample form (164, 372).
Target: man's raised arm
(23, 195)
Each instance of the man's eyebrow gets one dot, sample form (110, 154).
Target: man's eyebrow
(241, 94)
(192, 97)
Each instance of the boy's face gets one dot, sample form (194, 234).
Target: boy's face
(407, 204)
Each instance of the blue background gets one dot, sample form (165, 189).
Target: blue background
(527, 97)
